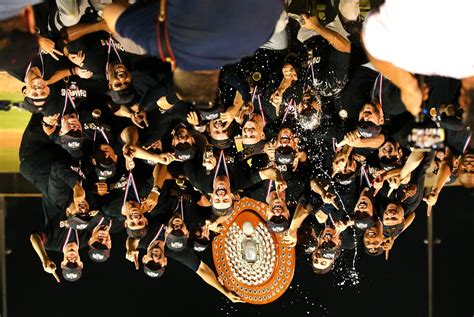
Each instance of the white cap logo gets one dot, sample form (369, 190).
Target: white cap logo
(97, 256)
(71, 275)
(176, 245)
(73, 145)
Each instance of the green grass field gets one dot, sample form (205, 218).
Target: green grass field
(12, 125)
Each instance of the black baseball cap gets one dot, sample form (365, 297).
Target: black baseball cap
(222, 211)
(254, 148)
(137, 233)
(278, 224)
(71, 272)
(221, 144)
(29, 104)
(184, 151)
(200, 245)
(98, 252)
(122, 97)
(345, 179)
(210, 114)
(389, 163)
(105, 170)
(72, 143)
(392, 231)
(284, 155)
(78, 222)
(176, 240)
(329, 250)
(153, 269)
(368, 129)
(363, 220)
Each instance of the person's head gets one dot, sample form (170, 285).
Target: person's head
(176, 233)
(100, 244)
(393, 218)
(372, 112)
(390, 155)
(329, 243)
(70, 122)
(134, 215)
(277, 214)
(364, 210)
(252, 130)
(120, 77)
(36, 90)
(347, 174)
(221, 197)
(320, 264)
(198, 87)
(309, 111)
(183, 143)
(466, 170)
(373, 239)
(219, 135)
(71, 265)
(104, 160)
(80, 209)
(155, 261)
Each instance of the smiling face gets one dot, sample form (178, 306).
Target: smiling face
(372, 113)
(71, 255)
(70, 122)
(133, 213)
(217, 131)
(120, 77)
(466, 170)
(393, 215)
(365, 204)
(286, 137)
(373, 238)
(101, 234)
(156, 253)
(276, 207)
(252, 131)
(182, 135)
(221, 197)
(36, 87)
(390, 150)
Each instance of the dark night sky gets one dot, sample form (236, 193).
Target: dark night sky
(397, 287)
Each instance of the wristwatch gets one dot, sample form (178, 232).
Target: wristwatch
(156, 189)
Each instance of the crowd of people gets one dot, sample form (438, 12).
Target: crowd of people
(134, 135)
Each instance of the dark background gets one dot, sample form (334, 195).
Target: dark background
(397, 287)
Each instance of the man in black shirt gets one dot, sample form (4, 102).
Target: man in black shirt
(157, 251)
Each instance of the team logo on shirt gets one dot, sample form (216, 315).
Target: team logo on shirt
(78, 93)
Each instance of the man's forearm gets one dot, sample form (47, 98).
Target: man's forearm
(300, 215)
(337, 41)
(38, 246)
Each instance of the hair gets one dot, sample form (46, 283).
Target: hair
(196, 86)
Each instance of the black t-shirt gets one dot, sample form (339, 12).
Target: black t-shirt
(186, 256)
(240, 175)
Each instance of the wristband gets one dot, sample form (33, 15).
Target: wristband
(156, 189)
